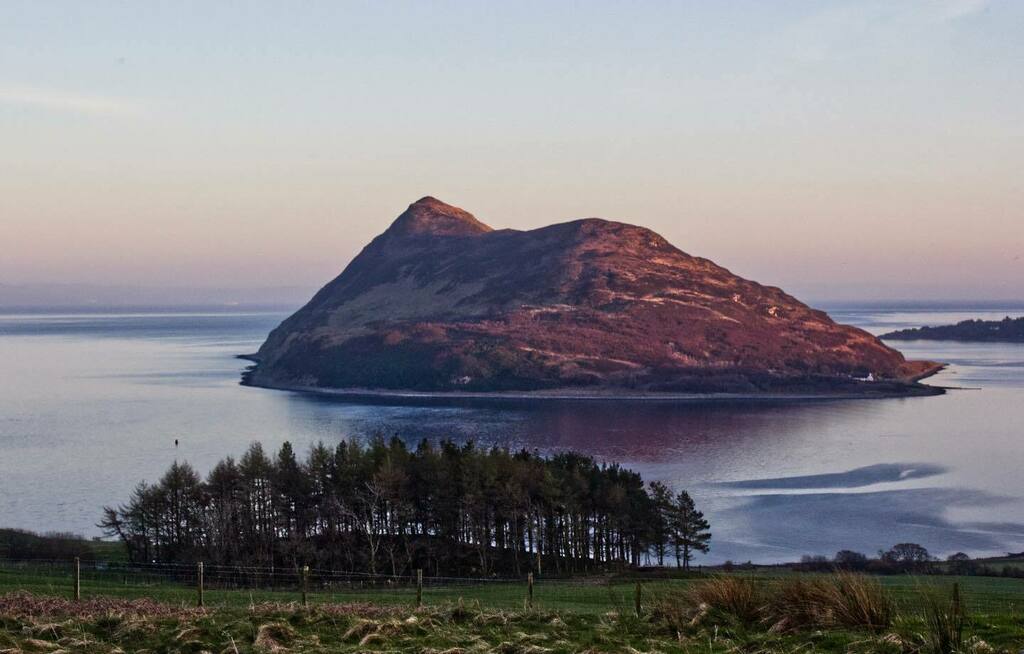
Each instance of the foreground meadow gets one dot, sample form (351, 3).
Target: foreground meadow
(801, 613)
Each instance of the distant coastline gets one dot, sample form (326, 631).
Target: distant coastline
(1007, 330)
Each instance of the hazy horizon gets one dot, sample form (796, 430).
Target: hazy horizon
(841, 150)
(84, 297)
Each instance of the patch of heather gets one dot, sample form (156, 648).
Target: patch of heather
(23, 604)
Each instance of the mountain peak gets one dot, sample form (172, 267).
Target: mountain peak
(428, 216)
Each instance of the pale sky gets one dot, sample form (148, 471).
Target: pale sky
(840, 150)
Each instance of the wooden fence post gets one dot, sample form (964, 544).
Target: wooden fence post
(199, 584)
(305, 584)
(529, 590)
(78, 579)
(638, 600)
(419, 587)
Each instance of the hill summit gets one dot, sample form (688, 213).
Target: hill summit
(442, 302)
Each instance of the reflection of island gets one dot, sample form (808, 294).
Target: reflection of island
(1007, 330)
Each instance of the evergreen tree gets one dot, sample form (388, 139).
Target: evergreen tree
(691, 530)
(383, 508)
(661, 526)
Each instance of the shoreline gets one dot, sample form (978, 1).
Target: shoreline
(929, 372)
(892, 391)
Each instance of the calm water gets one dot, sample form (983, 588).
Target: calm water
(91, 404)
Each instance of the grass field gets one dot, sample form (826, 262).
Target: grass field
(438, 630)
(125, 613)
(594, 596)
(984, 595)
(34, 624)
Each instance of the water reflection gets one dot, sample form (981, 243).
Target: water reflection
(855, 478)
(91, 405)
(723, 451)
(640, 432)
(796, 524)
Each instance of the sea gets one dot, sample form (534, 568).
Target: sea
(93, 402)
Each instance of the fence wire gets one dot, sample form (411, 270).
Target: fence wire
(248, 585)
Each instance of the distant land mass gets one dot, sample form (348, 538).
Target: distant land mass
(101, 297)
(442, 303)
(1007, 330)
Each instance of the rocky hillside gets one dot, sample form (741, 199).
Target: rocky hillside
(442, 302)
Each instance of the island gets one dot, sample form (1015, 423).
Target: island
(1007, 330)
(441, 304)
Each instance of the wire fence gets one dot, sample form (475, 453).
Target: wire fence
(190, 584)
(242, 585)
(980, 595)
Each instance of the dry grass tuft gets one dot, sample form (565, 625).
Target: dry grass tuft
(737, 597)
(858, 601)
(273, 637)
(976, 645)
(187, 634)
(25, 605)
(843, 599)
(77, 643)
(371, 638)
(56, 630)
(495, 618)
(507, 647)
(359, 629)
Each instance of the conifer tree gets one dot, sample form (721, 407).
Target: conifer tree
(691, 530)
(382, 507)
(661, 529)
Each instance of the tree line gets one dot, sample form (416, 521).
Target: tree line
(912, 558)
(57, 546)
(384, 508)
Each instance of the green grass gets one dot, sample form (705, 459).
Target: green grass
(594, 615)
(450, 628)
(984, 595)
(108, 550)
(560, 595)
